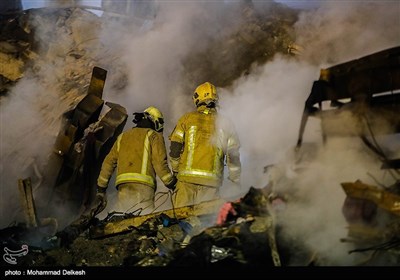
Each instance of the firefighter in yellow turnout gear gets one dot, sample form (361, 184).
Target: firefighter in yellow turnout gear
(201, 143)
(138, 155)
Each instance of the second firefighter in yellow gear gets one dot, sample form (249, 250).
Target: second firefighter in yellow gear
(201, 144)
(138, 155)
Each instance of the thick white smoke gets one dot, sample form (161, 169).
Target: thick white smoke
(267, 108)
(155, 58)
(344, 30)
(27, 138)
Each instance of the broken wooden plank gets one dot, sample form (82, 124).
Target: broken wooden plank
(204, 208)
(27, 202)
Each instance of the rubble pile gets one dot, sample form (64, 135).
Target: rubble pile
(374, 221)
(155, 237)
(33, 39)
(246, 238)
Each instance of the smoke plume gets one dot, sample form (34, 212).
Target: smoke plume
(267, 107)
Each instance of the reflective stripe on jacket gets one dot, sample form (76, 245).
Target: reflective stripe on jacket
(138, 155)
(206, 142)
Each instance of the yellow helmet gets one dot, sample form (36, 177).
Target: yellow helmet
(156, 117)
(205, 94)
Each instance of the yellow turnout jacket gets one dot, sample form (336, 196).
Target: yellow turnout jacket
(208, 143)
(138, 155)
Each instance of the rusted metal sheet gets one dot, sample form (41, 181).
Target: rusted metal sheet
(97, 82)
(75, 121)
(384, 199)
(128, 224)
(372, 85)
(86, 111)
(82, 144)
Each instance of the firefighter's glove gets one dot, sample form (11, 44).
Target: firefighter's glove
(172, 185)
(100, 202)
